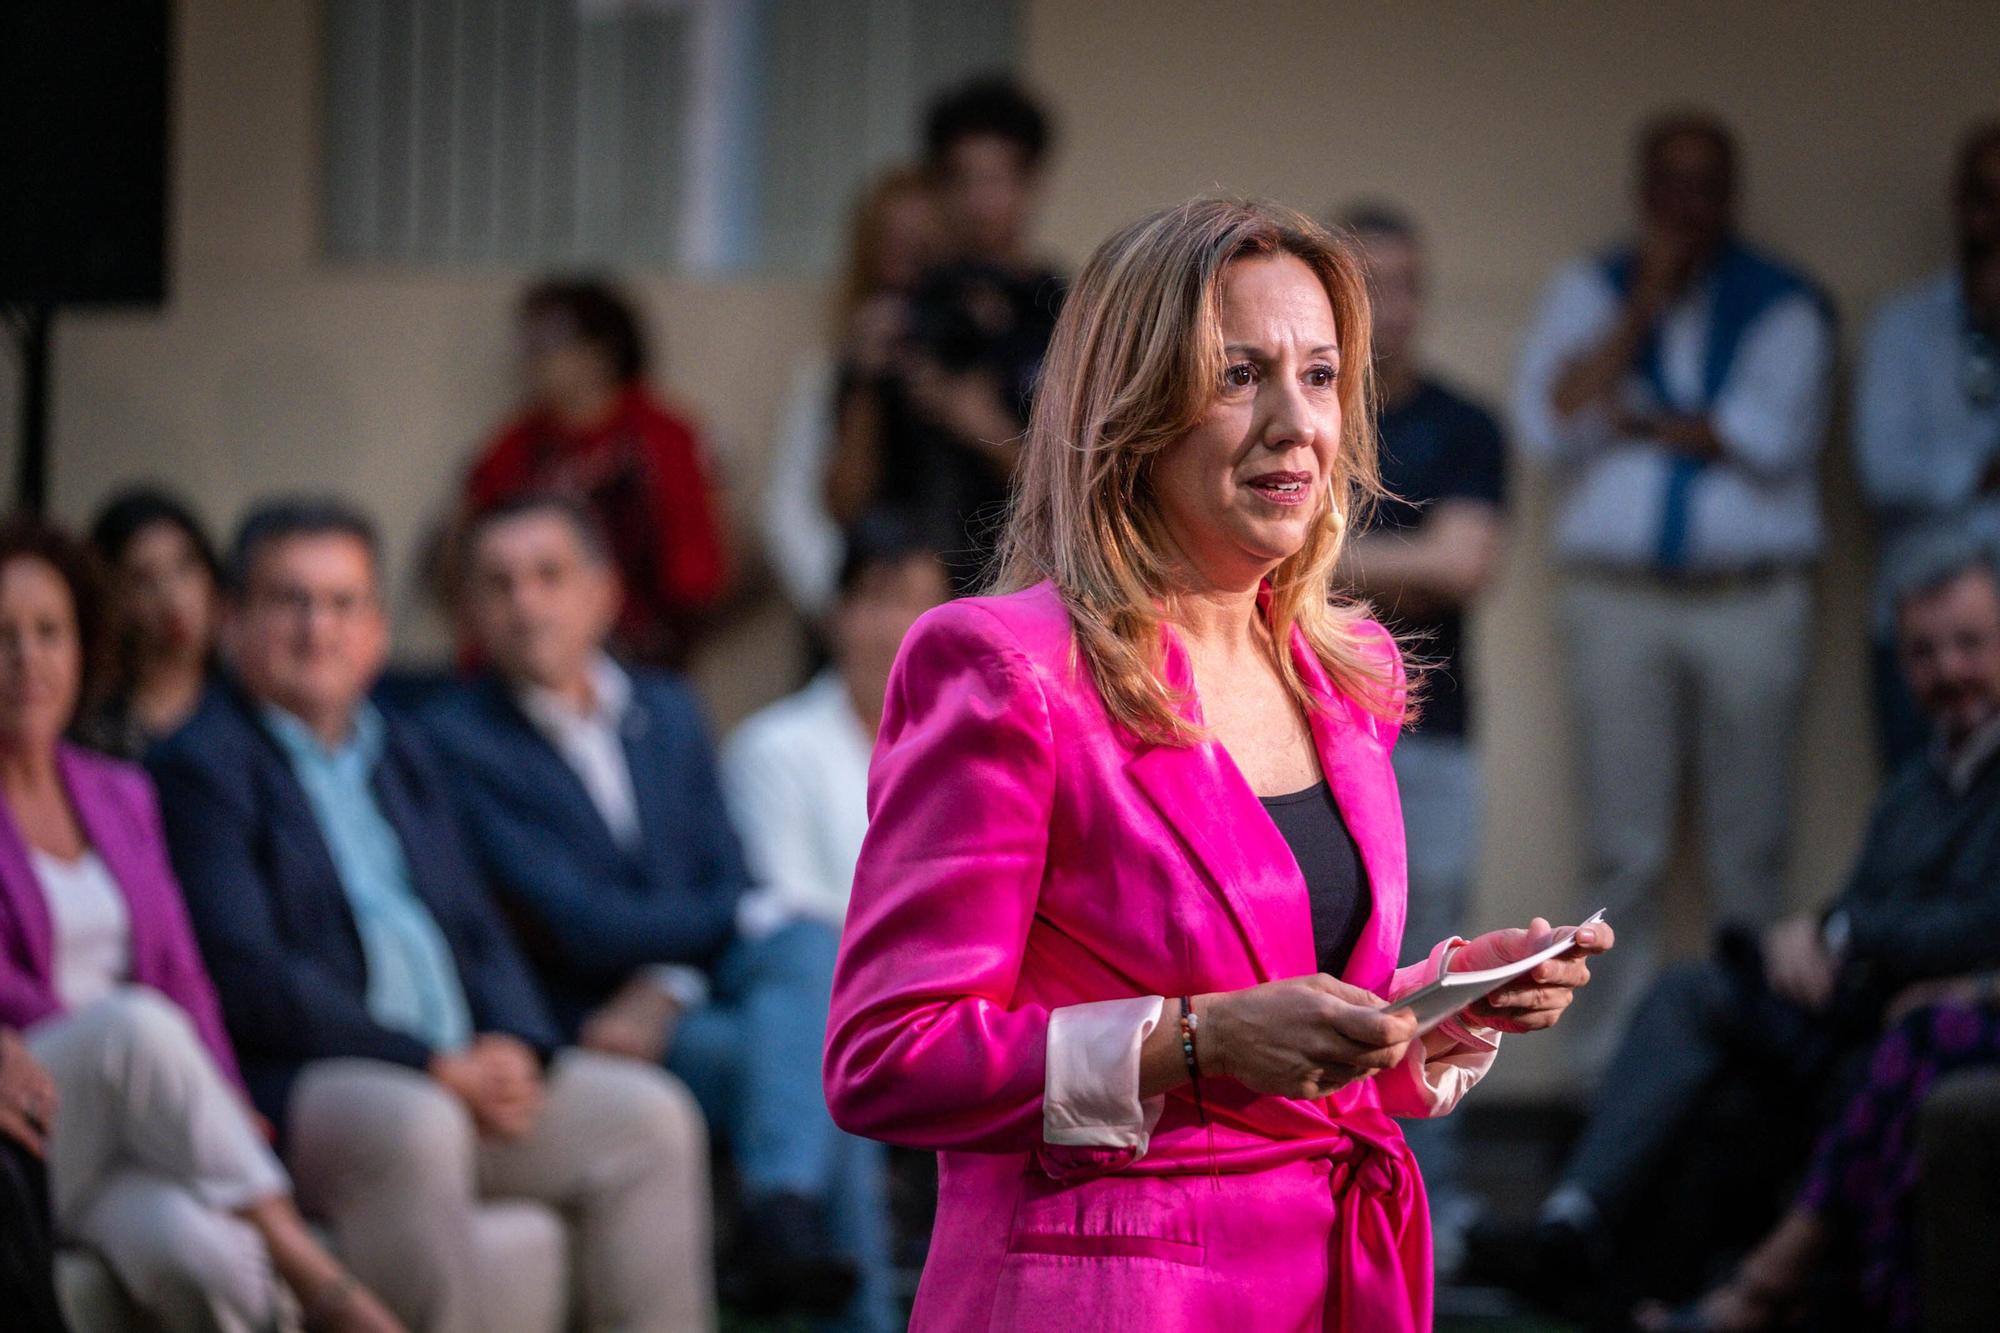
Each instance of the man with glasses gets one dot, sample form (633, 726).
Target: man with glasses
(1733, 1062)
(384, 1019)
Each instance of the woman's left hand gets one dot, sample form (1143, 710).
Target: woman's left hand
(27, 1095)
(1536, 1000)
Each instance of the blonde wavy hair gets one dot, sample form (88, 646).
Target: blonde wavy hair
(1136, 360)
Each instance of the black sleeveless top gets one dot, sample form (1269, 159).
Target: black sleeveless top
(1336, 881)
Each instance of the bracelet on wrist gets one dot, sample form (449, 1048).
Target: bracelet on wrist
(1190, 1024)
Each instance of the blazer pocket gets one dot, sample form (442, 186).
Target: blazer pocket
(1108, 1246)
(1109, 1217)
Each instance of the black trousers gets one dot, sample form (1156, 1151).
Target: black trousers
(27, 1247)
(1706, 1117)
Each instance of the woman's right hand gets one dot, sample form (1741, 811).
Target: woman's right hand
(1301, 1037)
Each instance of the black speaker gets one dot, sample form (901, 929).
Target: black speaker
(83, 151)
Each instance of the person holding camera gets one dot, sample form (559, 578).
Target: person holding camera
(940, 416)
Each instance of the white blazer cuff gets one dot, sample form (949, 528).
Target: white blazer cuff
(1091, 1094)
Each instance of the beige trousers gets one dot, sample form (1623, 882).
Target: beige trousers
(392, 1161)
(152, 1153)
(1679, 693)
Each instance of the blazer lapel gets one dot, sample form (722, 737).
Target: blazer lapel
(1357, 770)
(1193, 789)
(1205, 799)
(23, 894)
(641, 735)
(1209, 804)
(551, 773)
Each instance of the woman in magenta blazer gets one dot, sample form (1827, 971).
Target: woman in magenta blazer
(1150, 779)
(155, 1159)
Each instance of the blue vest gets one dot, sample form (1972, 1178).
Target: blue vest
(1746, 284)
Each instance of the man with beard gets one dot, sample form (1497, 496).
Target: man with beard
(1731, 1063)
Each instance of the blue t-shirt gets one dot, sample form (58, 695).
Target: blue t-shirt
(1436, 446)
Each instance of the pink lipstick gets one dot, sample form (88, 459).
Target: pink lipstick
(1283, 488)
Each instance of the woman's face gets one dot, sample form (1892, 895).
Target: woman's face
(166, 594)
(560, 364)
(41, 653)
(1240, 492)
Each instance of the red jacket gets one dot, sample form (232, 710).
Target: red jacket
(641, 470)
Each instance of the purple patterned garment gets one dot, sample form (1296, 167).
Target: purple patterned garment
(1863, 1177)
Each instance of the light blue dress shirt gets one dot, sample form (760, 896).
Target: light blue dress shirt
(413, 981)
(1923, 435)
(1757, 505)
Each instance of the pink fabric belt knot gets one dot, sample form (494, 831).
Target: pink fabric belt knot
(1369, 1170)
(1382, 1238)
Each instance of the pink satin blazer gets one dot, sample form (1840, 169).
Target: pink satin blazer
(1026, 854)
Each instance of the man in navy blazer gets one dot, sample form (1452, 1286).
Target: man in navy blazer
(381, 1010)
(592, 796)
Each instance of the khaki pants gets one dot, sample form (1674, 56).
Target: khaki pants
(1672, 686)
(392, 1160)
(151, 1156)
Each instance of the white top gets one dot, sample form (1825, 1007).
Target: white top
(795, 775)
(1758, 504)
(92, 929)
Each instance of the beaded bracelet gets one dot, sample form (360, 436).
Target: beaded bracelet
(1190, 1023)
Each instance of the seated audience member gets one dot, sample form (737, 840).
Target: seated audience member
(1845, 1255)
(1927, 405)
(154, 1160)
(945, 415)
(1786, 1012)
(592, 796)
(384, 1017)
(164, 607)
(893, 240)
(797, 771)
(27, 1242)
(593, 429)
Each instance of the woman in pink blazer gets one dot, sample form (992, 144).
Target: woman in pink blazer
(1134, 880)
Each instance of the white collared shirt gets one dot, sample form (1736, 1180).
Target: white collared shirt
(1961, 763)
(591, 741)
(1922, 440)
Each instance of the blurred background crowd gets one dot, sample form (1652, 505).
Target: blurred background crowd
(443, 635)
